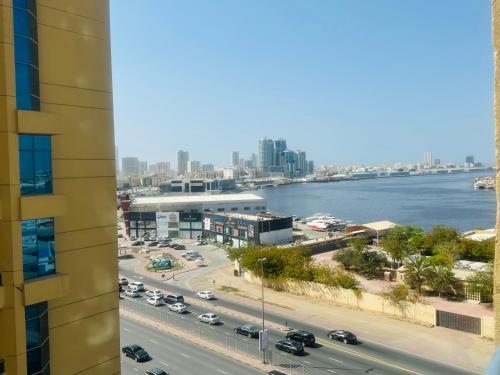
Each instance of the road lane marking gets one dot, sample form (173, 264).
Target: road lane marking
(368, 357)
(222, 372)
(185, 355)
(127, 330)
(336, 360)
(333, 372)
(307, 362)
(153, 341)
(136, 369)
(163, 363)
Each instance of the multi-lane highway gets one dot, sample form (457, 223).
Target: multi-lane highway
(332, 357)
(175, 356)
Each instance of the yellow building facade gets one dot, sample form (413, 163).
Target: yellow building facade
(58, 247)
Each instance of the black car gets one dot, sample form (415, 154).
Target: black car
(304, 337)
(345, 336)
(153, 243)
(136, 352)
(156, 371)
(276, 372)
(137, 243)
(170, 299)
(179, 247)
(290, 346)
(247, 330)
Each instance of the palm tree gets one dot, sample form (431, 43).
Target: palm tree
(441, 279)
(416, 268)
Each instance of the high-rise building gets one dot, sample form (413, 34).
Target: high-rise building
(130, 166)
(162, 167)
(266, 154)
(301, 162)
(143, 167)
(253, 161)
(437, 162)
(207, 168)
(428, 159)
(182, 162)
(279, 148)
(194, 166)
(235, 158)
(58, 257)
(310, 168)
(117, 161)
(469, 159)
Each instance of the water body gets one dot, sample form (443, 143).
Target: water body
(424, 201)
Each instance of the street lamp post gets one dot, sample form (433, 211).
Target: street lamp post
(262, 260)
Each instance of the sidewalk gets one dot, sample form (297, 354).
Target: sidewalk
(440, 344)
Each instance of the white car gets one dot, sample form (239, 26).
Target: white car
(209, 318)
(154, 293)
(137, 286)
(178, 307)
(205, 294)
(155, 301)
(132, 293)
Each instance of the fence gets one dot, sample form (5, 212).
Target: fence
(459, 322)
(230, 342)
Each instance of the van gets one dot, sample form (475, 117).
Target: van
(173, 298)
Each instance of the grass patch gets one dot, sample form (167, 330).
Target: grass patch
(228, 289)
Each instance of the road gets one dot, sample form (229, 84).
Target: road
(177, 357)
(369, 357)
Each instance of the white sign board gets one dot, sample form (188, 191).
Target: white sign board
(206, 223)
(263, 341)
(162, 224)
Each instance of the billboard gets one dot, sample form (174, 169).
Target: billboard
(162, 224)
(206, 223)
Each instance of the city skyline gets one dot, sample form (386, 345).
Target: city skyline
(425, 78)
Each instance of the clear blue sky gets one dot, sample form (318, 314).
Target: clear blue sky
(349, 81)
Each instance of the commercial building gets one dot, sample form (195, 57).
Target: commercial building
(235, 158)
(241, 230)
(182, 162)
(279, 148)
(181, 216)
(130, 166)
(266, 154)
(198, 185)
(58, 249)
(194, 167)
(143, 167)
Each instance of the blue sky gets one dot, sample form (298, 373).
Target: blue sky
(349, 81)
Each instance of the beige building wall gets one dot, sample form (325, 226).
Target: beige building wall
(76, 109)
(496, 47)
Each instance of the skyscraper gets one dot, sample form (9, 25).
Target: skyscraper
(58, 257)
(182, 162)
(194, 166)
(253, 160)
(143, 167)
(130, 166)
(428, 159)
(301, 162)
(469, 159)
(235, 158)
(279, 147)
(266, 154)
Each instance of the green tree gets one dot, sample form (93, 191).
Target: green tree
(358, 243)
(349, 258)
(402, 241)
(415, 272)
(482, 282)
(438, 235)
(477, 251)
(446, 254)
(399, 293)
(441, 279)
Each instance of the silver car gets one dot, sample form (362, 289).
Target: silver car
(209, 318)
(132, 293)
(178, 307)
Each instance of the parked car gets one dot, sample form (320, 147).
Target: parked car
(174, 298)
(119, 235)
(276, 372)
(132, 293)
(193, 254)
(122, 281)
(345, 336)
(156, 371)
(154, 293)
(163, 244)
(178, 307)
(206, 294)
(201, 242)
(155, 301)
(247, 330)
(137, 243)
(153, 243)
(137, 286)
(135, 352)
(304, 337)
(290, 346)
(209, 318)
(179, 247)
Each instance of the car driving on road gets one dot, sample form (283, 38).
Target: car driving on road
(173, 298)
(135, 352)
(206, 294)
(122, 281)
(155, 301)
(154, 293)
(247, 330)
(290, 346)
(137, 286)
(304, 337)
(156, 371)
(178, 307)
(132, 293)
(209, 318)
(345, 336)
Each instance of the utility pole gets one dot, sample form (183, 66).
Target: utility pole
(263, 338)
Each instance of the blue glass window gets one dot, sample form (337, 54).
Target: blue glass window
(26, 55)
(38, 247)
(37, 338)
(35, 164)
